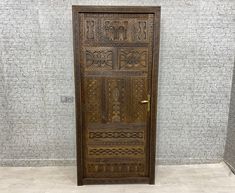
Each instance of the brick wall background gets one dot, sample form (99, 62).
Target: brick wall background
(229, 154)
(37, 125)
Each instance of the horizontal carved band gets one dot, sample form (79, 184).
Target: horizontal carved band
(109, 29)
(116, 151)
(93, 135)
(116, 168)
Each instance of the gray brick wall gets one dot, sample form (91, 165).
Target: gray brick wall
(36, 74)
(229, 154)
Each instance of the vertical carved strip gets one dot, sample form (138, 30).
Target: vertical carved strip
(114, 103)
(141, 30)
(116, 100)
(93, 100)
(129, 99)
(104, 101)
(139, 93)
(90, 29)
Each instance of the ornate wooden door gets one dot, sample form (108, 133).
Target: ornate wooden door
(116, 59)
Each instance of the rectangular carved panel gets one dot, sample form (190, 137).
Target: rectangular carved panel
(116, 151)
(92, 100)
(124, 29)
(111, 134)
(117, 169)
(98, 58)
(115, 135)
(116, 28)
(117, 100)
(90, 29)
(139, 93)
(133, 58)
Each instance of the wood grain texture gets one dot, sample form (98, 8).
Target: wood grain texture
(116, 62)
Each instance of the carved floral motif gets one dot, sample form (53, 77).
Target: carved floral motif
(133, 59)
(99, 59)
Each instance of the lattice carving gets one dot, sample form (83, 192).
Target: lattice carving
(121, 142)
(132, 59)
(93, 104)
(116, 151)
(93, 135)
(139, 94)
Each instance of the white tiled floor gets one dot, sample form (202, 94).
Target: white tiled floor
(210, 178)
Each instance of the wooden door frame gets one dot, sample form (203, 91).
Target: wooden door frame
(156, 10)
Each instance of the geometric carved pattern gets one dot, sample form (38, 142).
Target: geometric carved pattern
(93, 135)
(116, 167)
(120, 142)
(133, 58)
(116, 105)
(93, 105)
(139, 94)
(116, 151)
(116, 96)
(99, 59)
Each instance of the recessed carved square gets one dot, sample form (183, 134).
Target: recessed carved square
(98, 58)
(115, 30)
(133, 58)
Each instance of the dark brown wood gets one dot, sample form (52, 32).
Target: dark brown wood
(116, 53)
(154, 94)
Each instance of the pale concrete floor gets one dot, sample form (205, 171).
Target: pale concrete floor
(210, 178)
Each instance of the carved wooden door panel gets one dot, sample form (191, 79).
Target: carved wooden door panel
(116, 58)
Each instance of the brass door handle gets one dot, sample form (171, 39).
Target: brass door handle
(146, 101)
